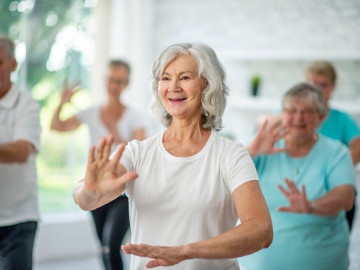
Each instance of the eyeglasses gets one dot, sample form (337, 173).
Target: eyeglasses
(305, 111)
(116, 81)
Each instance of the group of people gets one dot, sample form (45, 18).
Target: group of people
(194, 199)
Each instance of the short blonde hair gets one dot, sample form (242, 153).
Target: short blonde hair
(322, 68)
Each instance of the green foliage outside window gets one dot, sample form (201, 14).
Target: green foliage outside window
(53, 44)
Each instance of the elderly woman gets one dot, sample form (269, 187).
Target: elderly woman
(192, 184)
(311, 232)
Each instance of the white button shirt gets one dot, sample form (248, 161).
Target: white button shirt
(19, 120)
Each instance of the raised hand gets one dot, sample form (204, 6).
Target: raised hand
(162, 256)
(68, 91)
(102, 174)
(298, 201)
(269, 133)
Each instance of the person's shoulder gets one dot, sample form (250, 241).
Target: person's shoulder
(147, 142)
(225, 141)
(339, 114)
(330, 144)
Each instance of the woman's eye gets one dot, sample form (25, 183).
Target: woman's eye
(185, 78)
(165, 78)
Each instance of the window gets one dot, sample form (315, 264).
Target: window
(54, 44)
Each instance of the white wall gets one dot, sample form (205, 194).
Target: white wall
(276, 39)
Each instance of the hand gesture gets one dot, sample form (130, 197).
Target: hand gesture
(102, 175)
(298, 201)
(162, 256)
(269, 133)
(68, 91)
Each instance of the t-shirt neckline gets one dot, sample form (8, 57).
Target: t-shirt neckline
(185, 159)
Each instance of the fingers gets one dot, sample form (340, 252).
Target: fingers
(303, 191)
(100, 149)
(283, 191)
(118, 153)
(284, 209)
(107, 149)
(292, 187)
(91, 155)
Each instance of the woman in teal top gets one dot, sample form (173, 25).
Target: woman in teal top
(336, 124)
(310, 229)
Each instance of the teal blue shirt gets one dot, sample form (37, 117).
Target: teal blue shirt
(303, 241)
(340, 126)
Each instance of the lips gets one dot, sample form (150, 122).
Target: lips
(176, 99)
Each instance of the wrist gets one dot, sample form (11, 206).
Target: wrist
(311, 209)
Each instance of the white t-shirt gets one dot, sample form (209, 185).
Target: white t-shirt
(19, 120)
(180, 200)
(130, 121)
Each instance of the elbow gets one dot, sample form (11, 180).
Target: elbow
(268, 235)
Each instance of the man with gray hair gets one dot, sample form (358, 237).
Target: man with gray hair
(19, 143)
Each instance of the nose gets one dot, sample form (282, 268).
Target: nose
(174, 87)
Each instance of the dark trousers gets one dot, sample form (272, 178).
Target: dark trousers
(111, 223)
(16, 246)
(351, 214)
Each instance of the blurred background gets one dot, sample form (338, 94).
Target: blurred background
(270, 42)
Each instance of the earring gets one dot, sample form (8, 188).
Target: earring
(166, 115)
(206, 114)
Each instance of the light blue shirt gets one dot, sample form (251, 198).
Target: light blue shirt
(303, 241)
(340, 126)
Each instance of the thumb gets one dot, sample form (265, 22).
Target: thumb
(127, 177)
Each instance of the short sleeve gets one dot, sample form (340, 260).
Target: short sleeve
(128, 158)
(340, 169)
(242, 168)
(27, 125)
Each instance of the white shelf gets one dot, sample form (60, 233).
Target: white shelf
(272, 104)
(287, 56)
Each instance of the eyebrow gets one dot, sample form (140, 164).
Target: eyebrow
(181, 73)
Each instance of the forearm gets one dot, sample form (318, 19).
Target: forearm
(88, 200)
(338, 199)
(245, 239)
(16, 152)
(355, 150)
(85, 199)
(56, 122)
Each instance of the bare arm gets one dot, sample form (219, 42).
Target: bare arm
(355, 150)
(104, 179)
(254, 233)
(71, 123)
(338, 199)
(15, 152)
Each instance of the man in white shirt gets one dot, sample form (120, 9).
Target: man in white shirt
(19, 143)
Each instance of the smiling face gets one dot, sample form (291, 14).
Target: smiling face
(180, 88)
(301, 117)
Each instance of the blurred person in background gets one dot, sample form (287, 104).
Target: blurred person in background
(19, 143)
(192, 184)
(308, 214)
(336, 124)
(124, 124)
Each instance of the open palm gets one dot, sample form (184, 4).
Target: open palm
(298, 201)
(103, 174)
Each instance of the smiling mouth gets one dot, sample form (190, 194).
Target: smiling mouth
(177, 99)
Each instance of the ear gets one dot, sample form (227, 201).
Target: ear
(13, 64)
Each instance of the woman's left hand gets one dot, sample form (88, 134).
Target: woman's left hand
(162, 256)
(298, 201)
